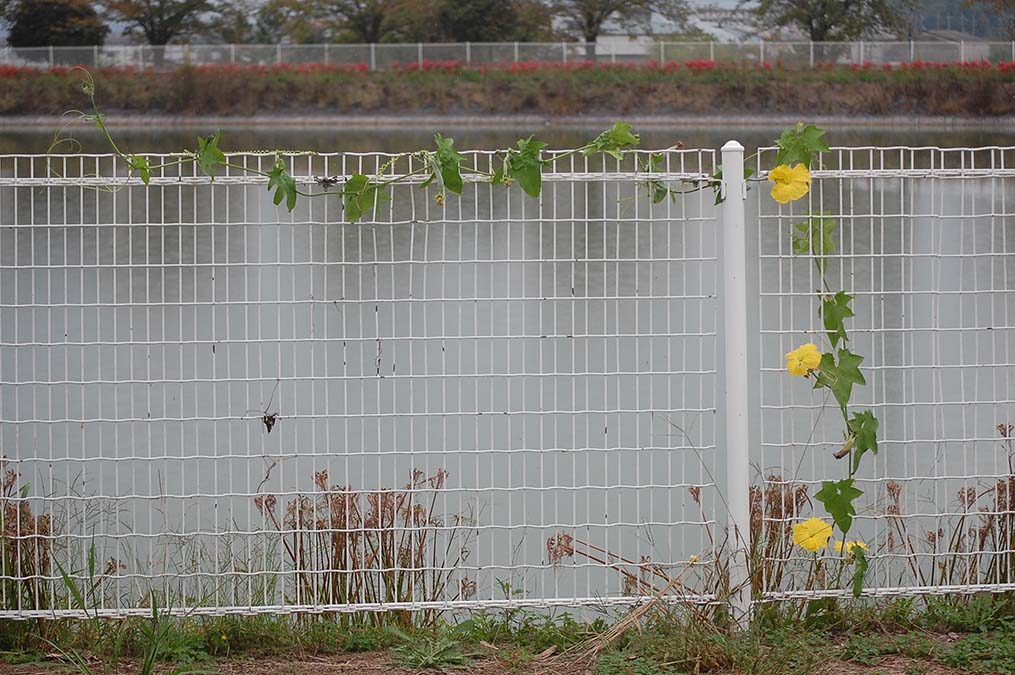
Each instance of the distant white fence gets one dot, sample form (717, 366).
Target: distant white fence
(384, 56)
(495, 400)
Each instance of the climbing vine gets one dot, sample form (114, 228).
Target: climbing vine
(837, 369)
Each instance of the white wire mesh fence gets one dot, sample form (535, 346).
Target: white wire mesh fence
(386, 56)
(923, 240)
(473, 404)
(493, 401)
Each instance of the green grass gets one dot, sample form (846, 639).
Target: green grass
(975, 634)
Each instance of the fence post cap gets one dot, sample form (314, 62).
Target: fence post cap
(732, 146)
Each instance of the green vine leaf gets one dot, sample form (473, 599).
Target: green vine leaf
(799, 144)
(656, 188)
(209, 157)
(139, 164)
(283, 184)
(525, 165)
(448, 164)
(860, 566)
(613, 140)
(833, 311)
(360, 196)
(840, 377)
(838, 498)
(863, 428)
(816, 237)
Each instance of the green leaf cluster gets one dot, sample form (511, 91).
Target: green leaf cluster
(612, 141)
(446, 165)
(839, 375)
(208, 156)
(800, 144)
(360, 196)
(524, 165)
(863, 432)
(657, 189)
(139, 165)
(815, 236)
(834, 310)
(860, 566)
(282, 182)
(838, 498)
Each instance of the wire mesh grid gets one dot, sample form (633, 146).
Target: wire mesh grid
(923, 238)
(494, 400)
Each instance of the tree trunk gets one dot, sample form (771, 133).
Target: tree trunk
(591, 35)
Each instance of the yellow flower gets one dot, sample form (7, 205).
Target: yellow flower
(692, 559)
(812, 534)
(790, 183)
(224, 638)
(849, 546)
(803, 359)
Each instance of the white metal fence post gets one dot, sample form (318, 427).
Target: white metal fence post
(812, 53)
(711, 51)
(736, 404)
(468, 52)
(278, 53)
(419, 54)
(52, 62)
(373, 56)
(516, 52)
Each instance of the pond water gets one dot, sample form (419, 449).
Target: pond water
(549, 357)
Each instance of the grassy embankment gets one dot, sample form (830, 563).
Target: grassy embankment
(953, 635)
(693, 88)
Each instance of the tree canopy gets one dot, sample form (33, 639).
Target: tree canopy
(586, 19)
(60, 23)
(160, 21)
(833, 20)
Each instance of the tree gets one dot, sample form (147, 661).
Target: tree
(161, 21)
(40, 23)
(587, 18)
(232, 24)
(358, 20)
(277, 20)
(1004, 8)
(834, 20)
(469, 21)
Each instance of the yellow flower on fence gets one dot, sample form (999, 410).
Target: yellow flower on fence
(803, 359)
(790, 183)
(849, 546)
(812, 534)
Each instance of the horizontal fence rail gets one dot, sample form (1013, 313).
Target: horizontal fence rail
(491, 400)
(387, 56)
